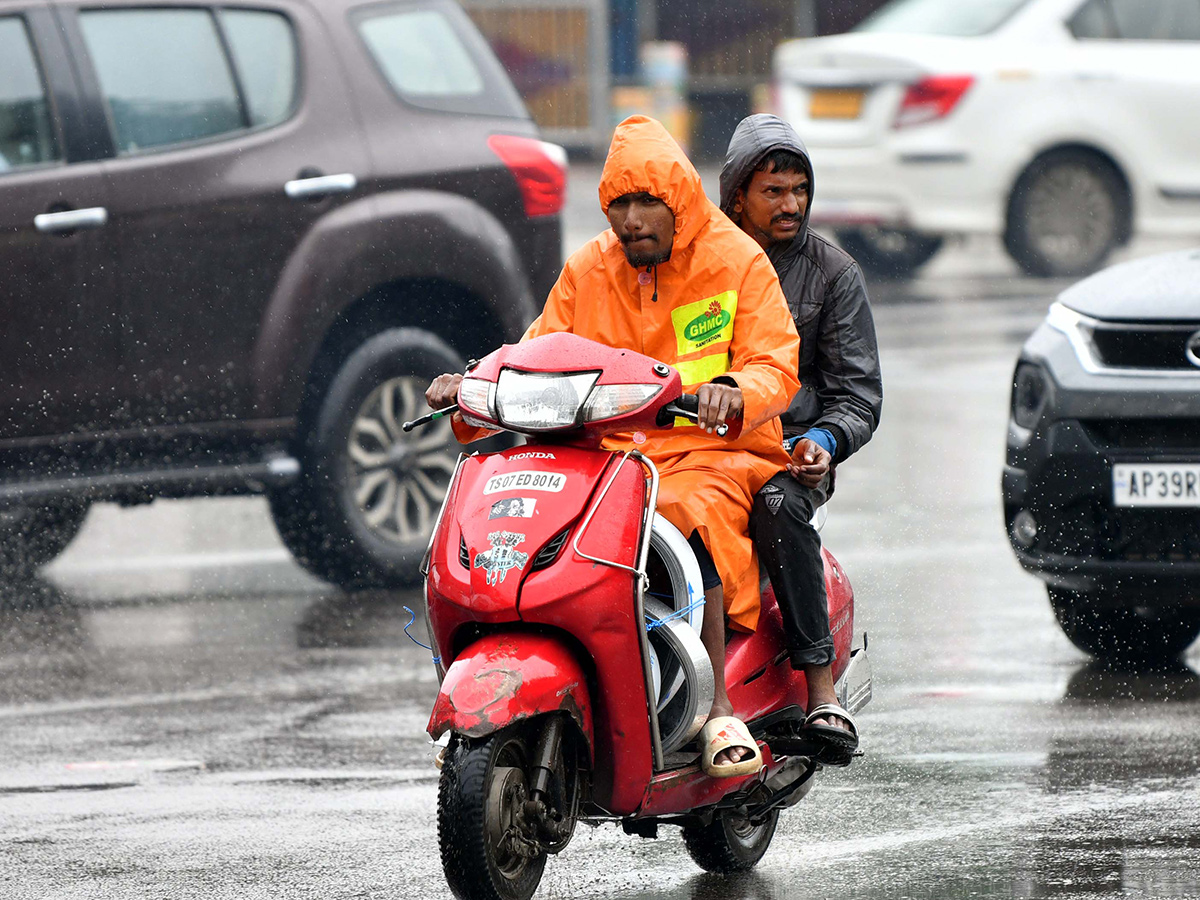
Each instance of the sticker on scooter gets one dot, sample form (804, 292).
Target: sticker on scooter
(525, 481)
(502, 557)
(513, 508)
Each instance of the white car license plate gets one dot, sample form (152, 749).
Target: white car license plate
(836, 103)
(1156, 484)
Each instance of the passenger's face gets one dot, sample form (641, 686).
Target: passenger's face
(645, 226)
(772, 206)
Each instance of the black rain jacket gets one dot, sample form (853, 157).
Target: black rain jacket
(841, 387)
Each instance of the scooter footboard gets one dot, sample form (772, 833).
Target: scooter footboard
(509, 676)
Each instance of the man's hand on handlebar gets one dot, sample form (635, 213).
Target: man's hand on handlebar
(717, 404)
(443, 392)
(810, 463)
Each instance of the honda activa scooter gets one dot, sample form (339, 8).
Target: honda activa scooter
(564, 618)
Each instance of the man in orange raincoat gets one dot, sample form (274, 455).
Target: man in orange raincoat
(675, 279)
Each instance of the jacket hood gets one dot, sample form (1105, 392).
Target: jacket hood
(644, 157)
(752, 140)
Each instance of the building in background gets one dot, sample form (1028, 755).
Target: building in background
(557, 55)
(581, 65)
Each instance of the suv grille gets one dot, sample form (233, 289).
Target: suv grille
(1152, 535)
(549, 553)
(1143, 346)
(1133, 535)
(1144, 434)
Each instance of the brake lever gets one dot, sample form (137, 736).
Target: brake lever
(430, 417)
(674, 409)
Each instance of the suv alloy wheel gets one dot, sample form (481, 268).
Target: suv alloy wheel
(364, 506)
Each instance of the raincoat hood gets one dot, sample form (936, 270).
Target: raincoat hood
(752, 140)
(644, 157)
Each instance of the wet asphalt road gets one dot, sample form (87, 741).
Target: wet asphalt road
(186, 714)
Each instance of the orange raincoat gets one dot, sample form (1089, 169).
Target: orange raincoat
(720, 311)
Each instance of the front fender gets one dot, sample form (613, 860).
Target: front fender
(385, 238)
(504, 678)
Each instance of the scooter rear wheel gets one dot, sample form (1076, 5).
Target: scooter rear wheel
(730, 844)
(482, 787)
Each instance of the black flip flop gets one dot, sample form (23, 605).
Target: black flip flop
(836, 745)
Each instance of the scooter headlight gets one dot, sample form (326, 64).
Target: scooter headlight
(477, 401)
(608, 400)
(542, 401)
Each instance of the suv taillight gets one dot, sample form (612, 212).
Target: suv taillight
(931, 99)
(540, 169)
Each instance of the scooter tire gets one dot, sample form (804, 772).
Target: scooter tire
(476, 870)
(730, 844)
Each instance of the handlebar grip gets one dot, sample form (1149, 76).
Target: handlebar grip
(686, 405)
(689, 403)
(429, 417)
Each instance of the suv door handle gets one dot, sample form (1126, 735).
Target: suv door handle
(71, 220)
(320, 186)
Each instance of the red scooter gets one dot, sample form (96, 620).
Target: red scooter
(564, 616)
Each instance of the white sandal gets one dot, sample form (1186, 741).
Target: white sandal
(720, 734)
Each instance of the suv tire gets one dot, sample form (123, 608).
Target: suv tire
(364, 506)
(1067, 212)
(31, 536)
(888, 252)
(1138, 634)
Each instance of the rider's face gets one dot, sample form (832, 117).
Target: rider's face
(772, 206)
(645, 226)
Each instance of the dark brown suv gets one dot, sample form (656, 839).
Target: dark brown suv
(237, 242)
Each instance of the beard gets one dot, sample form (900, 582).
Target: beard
(784, 220)
(646, 257)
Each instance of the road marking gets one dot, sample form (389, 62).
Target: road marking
(225, 559)
(421, 675)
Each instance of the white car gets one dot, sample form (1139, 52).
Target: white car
(1064, 126)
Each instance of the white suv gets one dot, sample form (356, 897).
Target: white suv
(1063, 125)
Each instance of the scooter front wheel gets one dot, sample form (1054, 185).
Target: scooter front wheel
(485, 852)
(730, 843)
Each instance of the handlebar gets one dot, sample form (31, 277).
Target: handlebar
(686, 407)
(429, 417)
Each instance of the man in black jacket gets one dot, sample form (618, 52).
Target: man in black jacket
(766, 188)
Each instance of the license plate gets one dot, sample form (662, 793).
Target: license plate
(525, 481)
(836, 103)
(1156, 484)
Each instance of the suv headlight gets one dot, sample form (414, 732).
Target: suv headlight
(1029, 393)
(1079, 329)
(542, 401)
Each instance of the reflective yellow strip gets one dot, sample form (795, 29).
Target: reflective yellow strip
(704, 323)
(704, 369)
